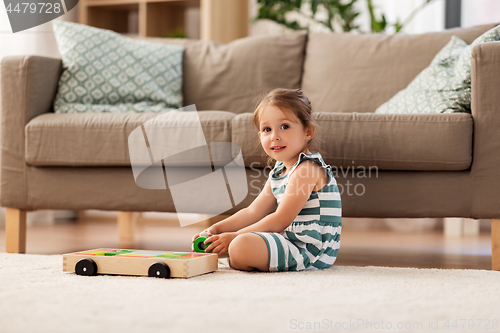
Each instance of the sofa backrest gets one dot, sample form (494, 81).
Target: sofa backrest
(231, 77)
(358, 73)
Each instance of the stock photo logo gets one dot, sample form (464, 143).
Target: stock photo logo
(171, 151)
(26, 14)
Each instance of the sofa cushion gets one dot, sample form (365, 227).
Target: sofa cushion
(84, 139)
(439, 142)
(358, 73)
(230, 76)
(435, 89)
(106, 72)
(444, 86)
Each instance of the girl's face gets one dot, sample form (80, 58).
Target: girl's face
(282, 135)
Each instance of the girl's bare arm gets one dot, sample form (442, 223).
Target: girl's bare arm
(258, 209)
(300, 185)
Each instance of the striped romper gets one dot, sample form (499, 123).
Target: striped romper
(312, 240)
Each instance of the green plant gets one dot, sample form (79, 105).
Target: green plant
(377, 25)
(340, 13)
(177, 33)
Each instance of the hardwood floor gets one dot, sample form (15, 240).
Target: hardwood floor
(358, 247)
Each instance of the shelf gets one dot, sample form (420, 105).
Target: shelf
(221, 20)
(98, 3)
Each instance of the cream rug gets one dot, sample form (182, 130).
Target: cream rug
(36, 296)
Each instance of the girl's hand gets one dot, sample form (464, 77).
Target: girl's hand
(220, 243)
(209, 231)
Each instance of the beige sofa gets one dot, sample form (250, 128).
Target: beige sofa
(432, 165)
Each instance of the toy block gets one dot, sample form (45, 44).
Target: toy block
(172, 255)
(95, 253)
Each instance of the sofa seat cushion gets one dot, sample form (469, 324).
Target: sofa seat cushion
(438, 142)
(87, 139)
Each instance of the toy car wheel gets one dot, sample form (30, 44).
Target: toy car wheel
(86, 267)
(159, 269)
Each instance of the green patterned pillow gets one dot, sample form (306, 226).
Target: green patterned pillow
(444, 86)
(464, 68)
(106, 72)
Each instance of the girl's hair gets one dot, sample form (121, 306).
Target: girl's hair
(289, 100)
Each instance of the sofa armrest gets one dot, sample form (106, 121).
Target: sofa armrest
(28, 87)
(485, 105)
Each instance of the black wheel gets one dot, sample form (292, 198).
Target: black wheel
(159, 269)
(86, 267)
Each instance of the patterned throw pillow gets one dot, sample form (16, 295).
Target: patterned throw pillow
(464, 68)
(444, 86)
(106, 72)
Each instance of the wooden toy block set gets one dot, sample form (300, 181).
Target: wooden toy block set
(160, 264)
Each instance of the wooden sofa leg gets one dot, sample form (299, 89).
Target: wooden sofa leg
(15, 230)
(126, 228)
(495, 244)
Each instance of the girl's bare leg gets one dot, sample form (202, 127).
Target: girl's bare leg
(248, 252)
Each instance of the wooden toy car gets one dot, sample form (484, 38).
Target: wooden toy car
(140, 263)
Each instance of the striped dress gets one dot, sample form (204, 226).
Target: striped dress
(312, 240)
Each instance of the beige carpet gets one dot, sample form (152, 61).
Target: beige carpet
(36, 296)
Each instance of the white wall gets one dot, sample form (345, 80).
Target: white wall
(39, 40)
(430, 18)
(475, 12)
